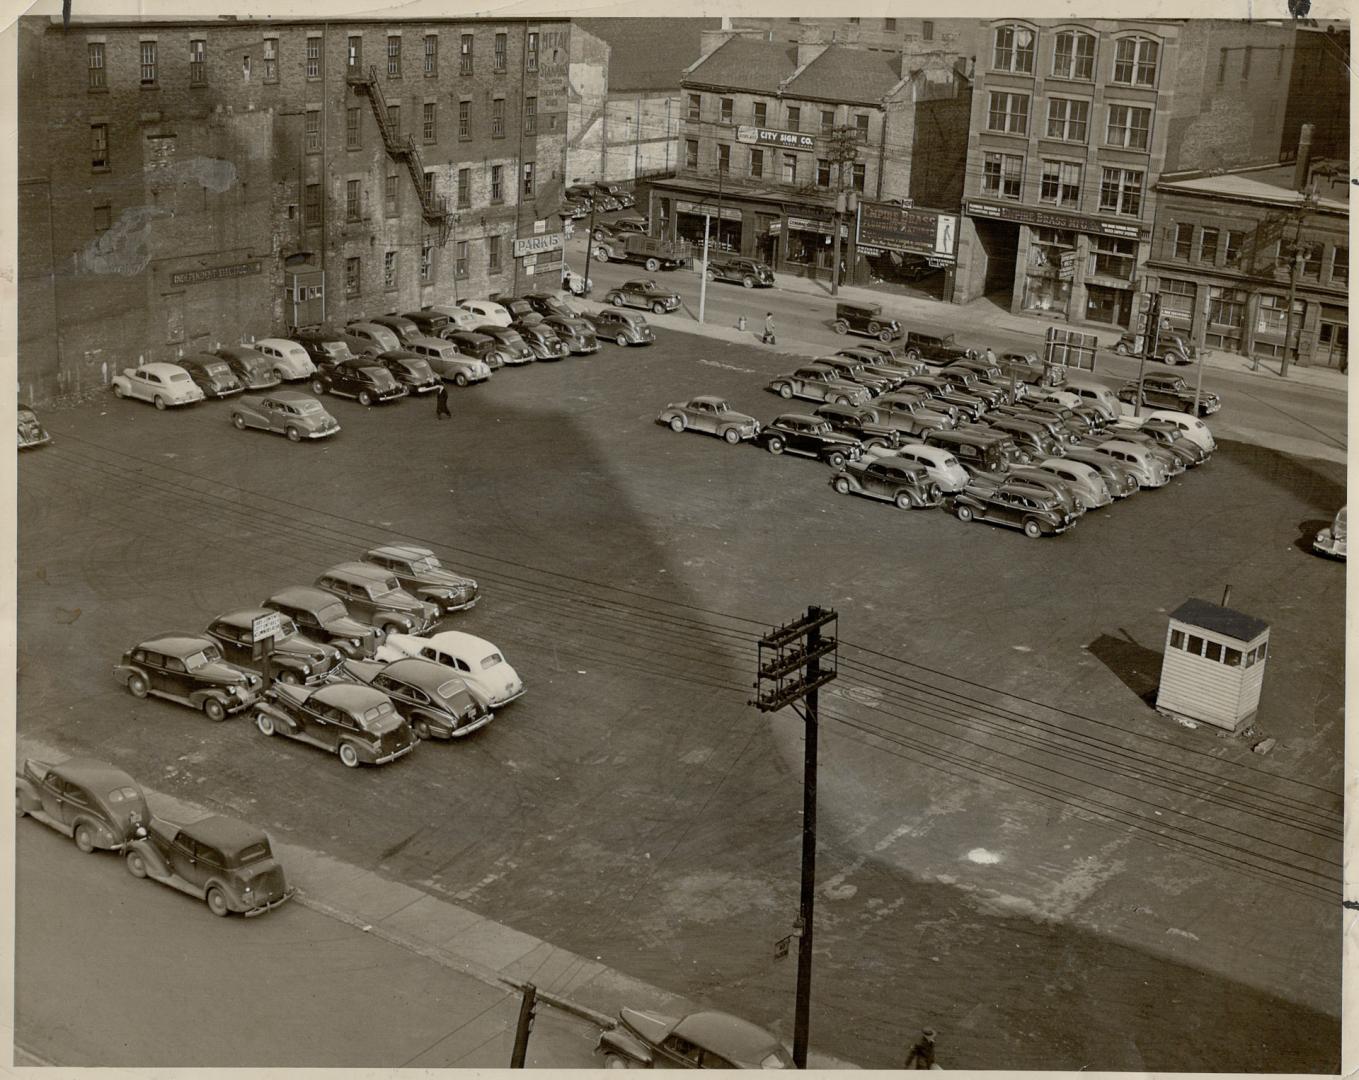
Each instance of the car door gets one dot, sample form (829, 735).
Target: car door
(704, 416)
(228, 640)
(52, 791)
(182, 855)
(876, 479)
(319, 722)
(403, 696)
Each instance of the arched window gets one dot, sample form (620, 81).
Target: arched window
(1014, 49)
(1136, 60)
(1073, 55)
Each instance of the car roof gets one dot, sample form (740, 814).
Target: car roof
(870, 308)
(732, 1037)
(710, 399)
(401, 551)
(457, 641)
(180, 645)
(1121, 444)
(277, 342)
(423, 339)
(359, 569)
(244, 617)
(297, 396)
(238, 350)
(348, 696)
(161, 367)
(417, 671)
(94, 774)
(303, 596)
(383, 320)
(801, 417)
(227, 834)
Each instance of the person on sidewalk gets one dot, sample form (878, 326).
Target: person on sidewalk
(768, 337)
(441, 410)
(921, 1055)
(990, 356)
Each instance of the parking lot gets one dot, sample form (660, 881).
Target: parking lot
(1012, 840)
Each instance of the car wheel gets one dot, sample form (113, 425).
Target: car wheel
(874, 328)
(160, 403)
(214, 710)
(317, 386)
(1032, 529)
(349, 757)
(278, 374)
(677, 423)
(732, 436)
(835, 459)
(1121, 349)
(710, 275)
(293, 434)
(903, 501)
(118, 391)
(136, 686)
(365, 398)
(460, 378)
(840, 326)
(602, 253)
(136, 865)
(289, 676)
(84, 838)
(775, 445)
(963, 512)
(842, 485)
(621, 340)
(652, 265)
(265, 723)
(616, 301)
(658, 308)
(217, 902)
(785, 391)
(748, 282)
(238, 420)
(912, 355)
(839, 400)
(421, 729)
(617, 1061)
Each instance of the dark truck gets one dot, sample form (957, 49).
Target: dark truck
(653, 253)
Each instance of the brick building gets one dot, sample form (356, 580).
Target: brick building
(913, 38)
(171, 173)
(1073, 125)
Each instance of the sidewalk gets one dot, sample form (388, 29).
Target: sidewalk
(582, 995)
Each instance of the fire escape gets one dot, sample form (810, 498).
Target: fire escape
(433, 208)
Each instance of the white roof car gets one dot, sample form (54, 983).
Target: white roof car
(1143, 464)
(478, 663)
(1059, 397)
(379, 339)
(940, 464)
(489, 311)
(161, 384)
(1191, 427)
(1084, 479)
(1094, 393)
(290, 360)
(459, 317)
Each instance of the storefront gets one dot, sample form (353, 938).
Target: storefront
(1049, 271)
(811, 243)
(1333, 338)
(724, 224)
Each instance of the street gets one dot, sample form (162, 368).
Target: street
(1015, 849)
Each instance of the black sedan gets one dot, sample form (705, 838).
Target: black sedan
(1015, 503)
(541, 338)
(643, 294)
(411, 371)
(212, 375)
(809, 436)
(360, 377)
(431, 697)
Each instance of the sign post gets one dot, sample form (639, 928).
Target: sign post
(263, 629)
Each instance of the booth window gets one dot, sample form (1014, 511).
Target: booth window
(1214, 651)
(1232, 657)
(1177, 639)
(1196, 645)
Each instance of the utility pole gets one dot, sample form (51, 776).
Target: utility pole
(703, 274)
(1297, 255)
(527, 1010)
(589, 247)
(844, 150)
(790, 671)
(637, 145)
(1150, 330)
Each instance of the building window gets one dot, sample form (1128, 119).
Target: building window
(313, 55)
(1208, 246)
(790, 168)
(498, 118)
(497, 183)
(1013, 49)
(431, 181)
(391, 192)
(889, 25)
(460, 267)
(426, 260)
(1074, 56)
(1008, 113)
(1120, 192)
(726, 107)
(464, 119)
(352, 276)
(355, 53)
(389, 269)
(531, 51)
(1245, 65)
(695, 106)
(311, 205)
(271, 59)
(493, 253)
(312, 127)
(148, 52)
(1068, 119)
(1112, 257)
(352, 200)
(757, 168)
(465, 53)
(861, 126)
(103, 218)
(464, 189)
(1340, 266)
(1128, 126)
(858, 176)
(1236, 243)
(394, 120)
(198, 62)
(530, 116)
(927, 30)
(823, 172)
(245, 67)
(353, 120)
(1003, 175)
(691, 153)
(1061, 183)
(1177, 302)
(1311, 263)
(96, 62)
(794, 118)
(528, 179)
(1272, 317)
(99, 143)
(761, 113)
(393, 58)
(431, 56)
(429, 127)
(1184, 240)
(723, 157)
(1226, 318)
(1135, 60)
(827, 122)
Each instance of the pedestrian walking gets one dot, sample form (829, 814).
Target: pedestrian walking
(921, 1055)
(768, 337)
(441, 403)
(990, 356)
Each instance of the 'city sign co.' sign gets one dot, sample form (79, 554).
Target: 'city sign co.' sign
(789, 140)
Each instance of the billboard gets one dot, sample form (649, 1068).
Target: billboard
(789, 140)
(888, 227)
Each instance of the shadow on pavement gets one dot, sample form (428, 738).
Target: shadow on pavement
(1138, 667)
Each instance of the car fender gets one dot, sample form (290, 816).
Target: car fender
(156, 865)
(618, 1041)
(26, 795)
(104, 837)
(197, 697)
(280, 716)
(123, 672)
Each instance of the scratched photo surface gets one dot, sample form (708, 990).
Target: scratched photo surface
(760, 540)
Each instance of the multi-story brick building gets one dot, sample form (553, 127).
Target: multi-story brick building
(172, 174)
(914, 38)
(1074, 123)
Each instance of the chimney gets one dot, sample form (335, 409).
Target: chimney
(1304, 157)
(1226, 596)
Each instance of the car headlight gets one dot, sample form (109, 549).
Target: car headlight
(233, 689)
(306, 669)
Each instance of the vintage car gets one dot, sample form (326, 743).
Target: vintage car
(892, 479)
(942, 392)
(513, 348)
(1170, 437)
(292, 657)
(981, 451)
(819, 384)
(373, 337)
(226, 863)
(1167, 391)
(489, 310)
(1092, 393)
(545, 303)
(853, 371)
(747, 272)
(360, 377)
(913, 413)
(1015, 503)
(1331, 540)
(579, 335)
(96, 804)
(1057, 427)
(1169, 347)
(285, 412)
(419, 572)
(412, 370)
(428, 322)
(945, 470)
(619, 226)
(326, 344)
(1119, 480)
(161, 384)
(1085, 480)
(874, 430)
(875, 363)
(1064, 492)
(31, 433)
(321, 617)
(479, 344)
(643, 294)
(448, 361)
(1030, 436)
(712, 415)
(1078, 420)
(1174, 463)
(1031, 369)
(291, 361)
(403, 327)
(616, 192)
(809, 436)
(432, 697)
(541, 338)
(890, 355)
(253, 368)
(459, 318)
(1191, 427)
(356, 722)
(375, 596)
(968, 382)
(478, 663)
(865, 319)
(621, 327)
(701, 1040)
(212, 375)
(934, 349)
(1150, 470)
(191, 670)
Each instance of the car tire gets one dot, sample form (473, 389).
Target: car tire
(118, 392)
(839, 400)
(732, 436)
(421, 729)
(278, 374)
(136, 686)
(774, 445)
(652, 265)
(677, 424)
(159, 402)
(616, 301)
(841, 485)
(748, 282)
(621, 341)
(835, 459)
(903, 501)
(1032, 529)
(710, 275)
(288, 676)
(460, 379)
(618, 1061)
(365, 398)
(83, 836)
(214, 710)
(963, 512)
(136, 864)
(265, 723)
(349, 757)
(1121, 349)
(318, 386)
(840, 326)
(785, 391)
(912, 355)
(658, 308)
(602, 253)
(874, 328)
(238, 420)
(217, 902)
(293, 434)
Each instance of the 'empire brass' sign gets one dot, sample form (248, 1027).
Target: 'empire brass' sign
(215, 273)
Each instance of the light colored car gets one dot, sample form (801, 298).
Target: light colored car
(1120, 480)
(478, 663)
(818, 384)
(939, 464)
(1058, 397)
(489, 311)
(285, 412)
(459, 318)
(1331, 541)
(1083, 479)
(1092, 392)
(448, 362)
(161, 384)
(710, 414)
(290, 360)
(1193, 429)
(374, 339)
(1137, 459)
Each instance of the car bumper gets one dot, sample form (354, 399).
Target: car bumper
(235, 703)
(425, 388)
(1209, 407)
(260, 909)
(36, 440)
(498, 702)
(1327, 544)
(321, 433)
(385, 758)
(389, 395)
(216, 393)
(475, 725)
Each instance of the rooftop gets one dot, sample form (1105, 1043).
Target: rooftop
(744, 64)
(844, 74)
(1252, 188)
(1225, 621)
(649, 54)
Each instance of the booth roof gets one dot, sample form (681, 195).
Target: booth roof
(1221, 620)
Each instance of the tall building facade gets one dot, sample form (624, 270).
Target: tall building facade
(173, 174)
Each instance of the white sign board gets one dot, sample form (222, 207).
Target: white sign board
(266, 626)
(534, 245)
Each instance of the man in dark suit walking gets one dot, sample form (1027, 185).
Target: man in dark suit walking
(441, 403)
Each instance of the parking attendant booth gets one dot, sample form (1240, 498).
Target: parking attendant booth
(1214, 665)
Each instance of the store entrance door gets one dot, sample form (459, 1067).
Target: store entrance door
(1333, 343)
(1106, 305)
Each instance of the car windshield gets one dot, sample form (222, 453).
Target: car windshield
(180, 376)
(286, 627)
(719, 406)
(423, 564)
(386, 586)
(336, 350)
(822, 428)
(331, 612)
(777, 1059)
(251, 853)
(454, 691)
(208, 655)
(306, 408)
(491, 661)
